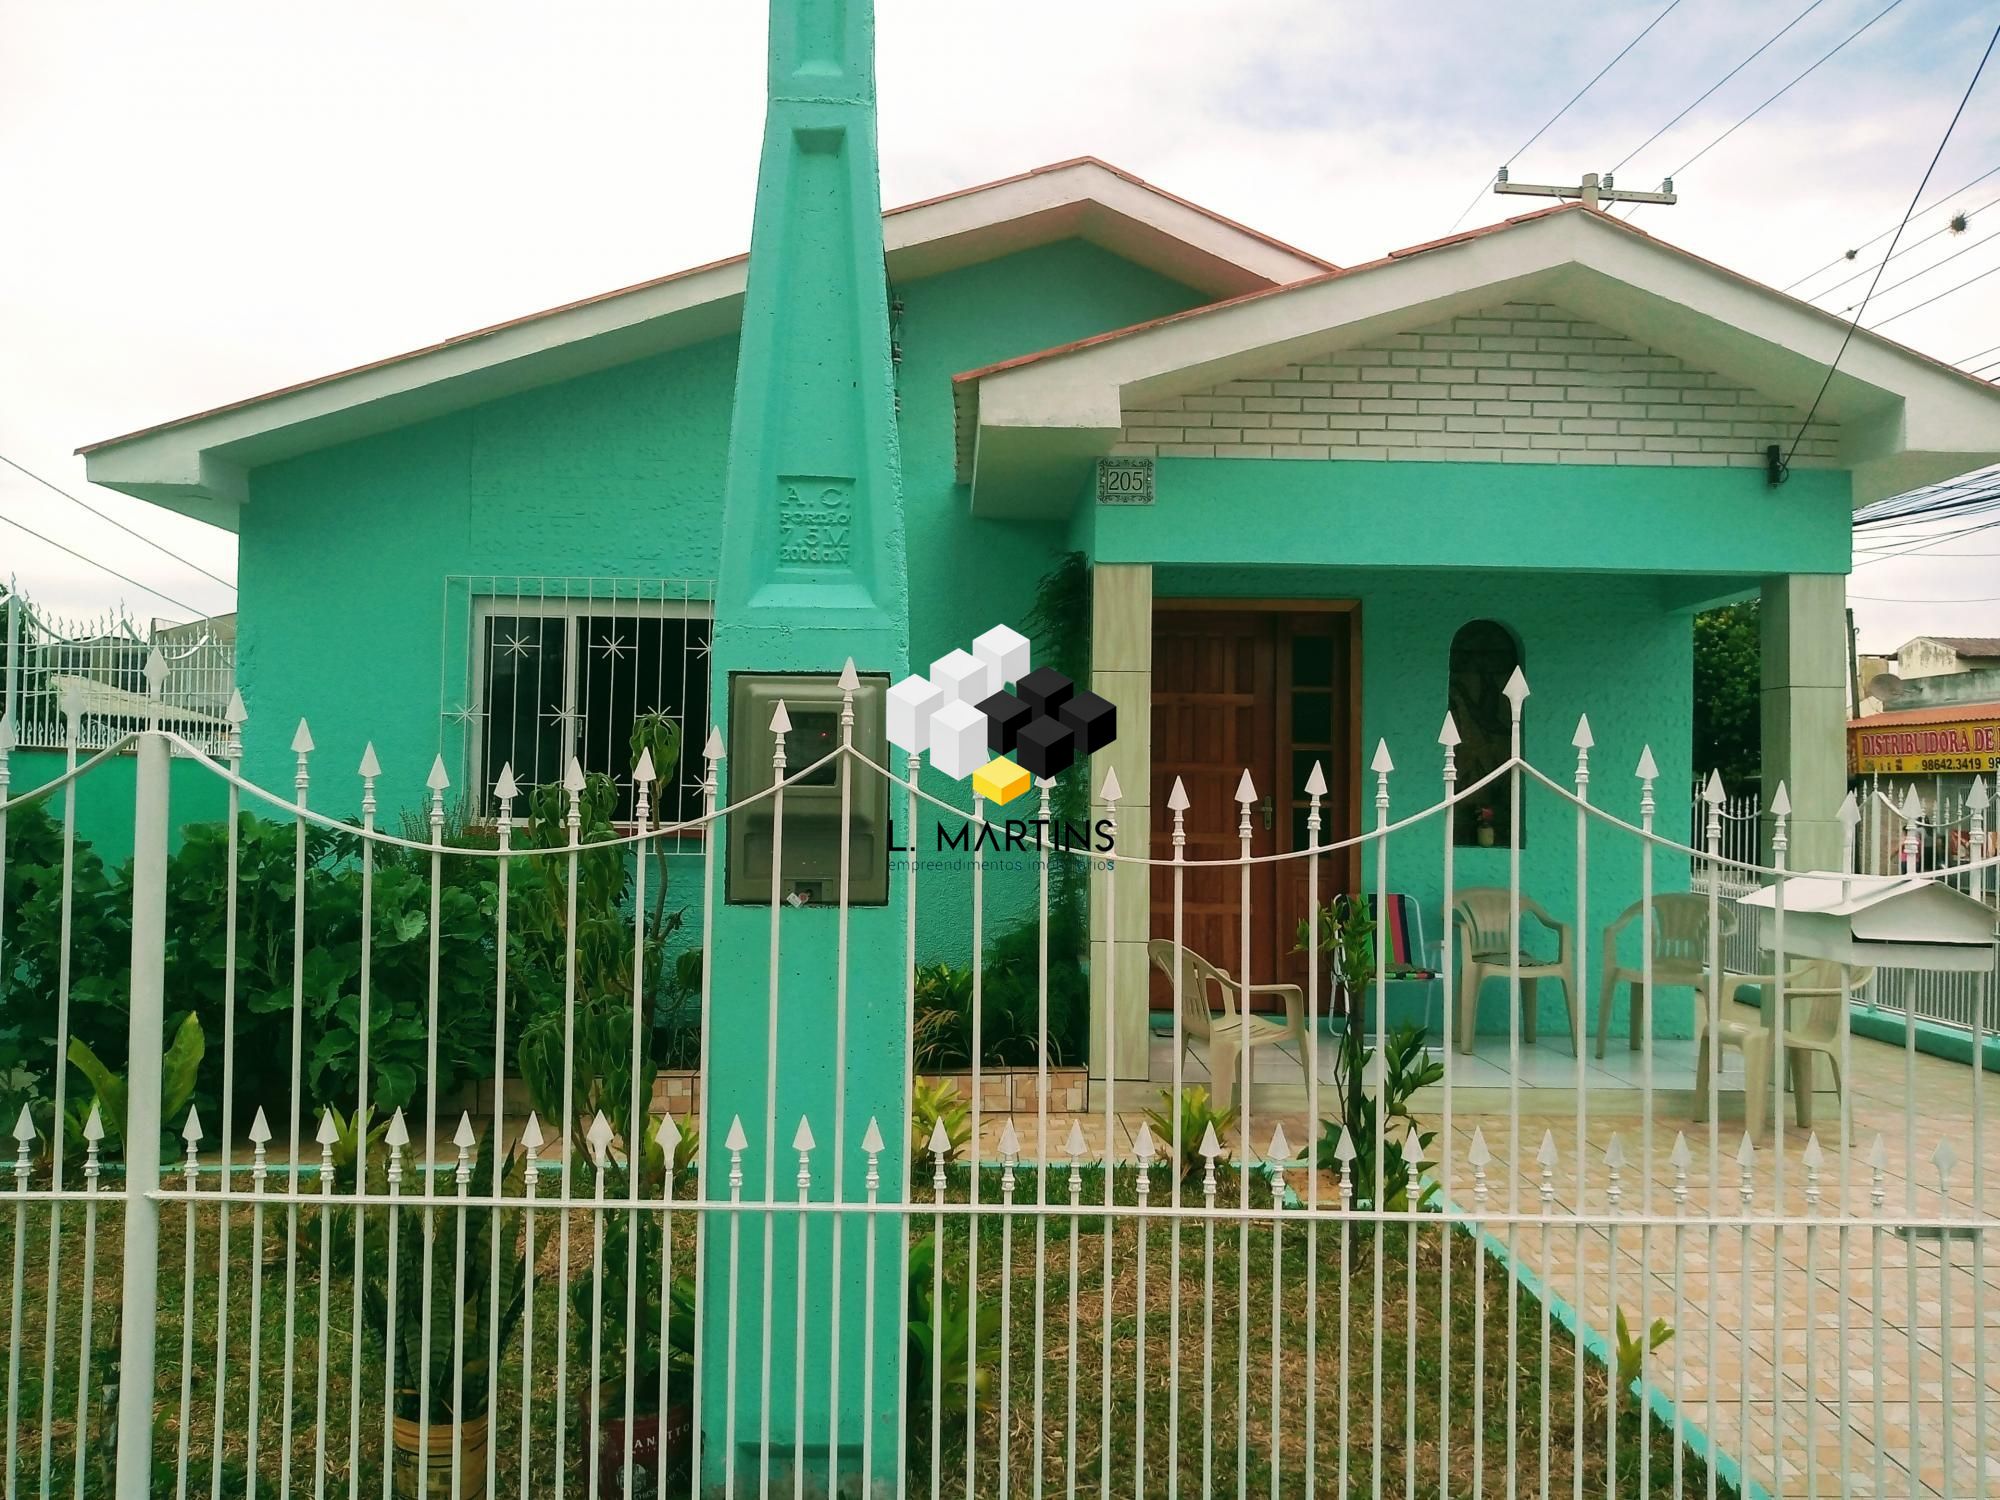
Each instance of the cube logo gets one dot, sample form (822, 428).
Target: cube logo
(985, 713)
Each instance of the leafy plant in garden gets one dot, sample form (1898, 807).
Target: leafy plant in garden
(1632, 1355)
(677, 1013)
(946, 1335)
(1407, 1066)
(460, 1298)
(601, 974)
(99, 948)
(178, 1067)
(931, 1105)
(1197, 1112)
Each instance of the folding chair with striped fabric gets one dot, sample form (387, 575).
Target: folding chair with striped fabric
(1401, 951)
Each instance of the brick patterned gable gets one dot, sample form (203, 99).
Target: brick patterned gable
(1516, 383)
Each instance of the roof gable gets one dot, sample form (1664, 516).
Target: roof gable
(1904, 419)
(198, 464)
(1516, 382)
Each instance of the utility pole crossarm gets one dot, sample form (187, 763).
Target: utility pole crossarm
(1592, 191)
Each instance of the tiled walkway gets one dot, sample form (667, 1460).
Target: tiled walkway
(1827, 1359)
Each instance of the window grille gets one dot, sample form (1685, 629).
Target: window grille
(560, 667)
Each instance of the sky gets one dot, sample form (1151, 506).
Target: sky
(206, 200)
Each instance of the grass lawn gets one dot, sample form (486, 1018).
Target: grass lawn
(1474, 1440)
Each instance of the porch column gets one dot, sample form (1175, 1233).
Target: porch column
(1121, 671)
(1802, 617)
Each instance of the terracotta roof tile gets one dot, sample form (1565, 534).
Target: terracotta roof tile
(1949, 713)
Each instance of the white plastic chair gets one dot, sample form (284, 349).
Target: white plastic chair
(1232, 1030)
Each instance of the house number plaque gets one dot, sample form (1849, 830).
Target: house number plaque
(1124, 481)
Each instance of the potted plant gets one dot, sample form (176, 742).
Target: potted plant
(446, 1414)
(1482, 819)
(658, 1440)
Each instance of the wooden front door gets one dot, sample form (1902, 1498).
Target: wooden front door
(1268, 690)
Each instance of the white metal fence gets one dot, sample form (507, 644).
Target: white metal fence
(1917, 825)
(90, 675)
(1410, 1299)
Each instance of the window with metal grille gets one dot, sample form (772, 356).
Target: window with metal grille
(568, 672)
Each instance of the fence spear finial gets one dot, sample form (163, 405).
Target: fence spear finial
(1177, 797)
(1944, 1159)
(711, 748)
(1316, 781)
(872, 1144)
(1144, 1148)
(1582, 740)
(1516, 692)
(1448, 736)
(1111, 791)
(1648, 769)
(24, 1137)
(1246, 790)
(598, 1138)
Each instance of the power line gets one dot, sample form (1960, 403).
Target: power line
(1879, 599)
(1949, 227)
(1914, 275)
(1906, 549)
(122, 578)
(1938, 298)
(1824, 57)
(1816, 4)
(1915, 198)
(1671, 6)
(1980, 355)
(1935, 202)
(113, 520)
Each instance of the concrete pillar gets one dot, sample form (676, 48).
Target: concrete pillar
(1803, 622)
(1121, 671)
(811, 574)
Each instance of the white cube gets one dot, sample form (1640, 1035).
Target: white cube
(911, 704)
(958, 740)
(964, 678)
(1005, 651)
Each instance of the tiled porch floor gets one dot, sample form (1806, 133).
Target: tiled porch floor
(1781, 1346)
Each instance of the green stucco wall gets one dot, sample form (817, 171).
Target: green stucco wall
(104, 798)
(344, 553)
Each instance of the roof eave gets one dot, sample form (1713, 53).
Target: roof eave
(1892, 442)
(199, 464)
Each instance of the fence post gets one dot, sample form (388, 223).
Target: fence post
(142, 1117)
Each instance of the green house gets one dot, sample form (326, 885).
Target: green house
(1316, 506)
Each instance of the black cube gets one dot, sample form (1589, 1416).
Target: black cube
(1093, 721)
(1045, 746)
(1006, 716)
(1045, 690)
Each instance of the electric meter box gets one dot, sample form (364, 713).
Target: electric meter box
(811, 876)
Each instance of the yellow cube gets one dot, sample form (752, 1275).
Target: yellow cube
(1000, 781)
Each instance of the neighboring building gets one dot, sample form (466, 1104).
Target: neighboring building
(1939, 655)
(1929, 671)
(1319, 505)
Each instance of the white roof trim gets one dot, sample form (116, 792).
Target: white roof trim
(199, 465)
(1905, 419)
